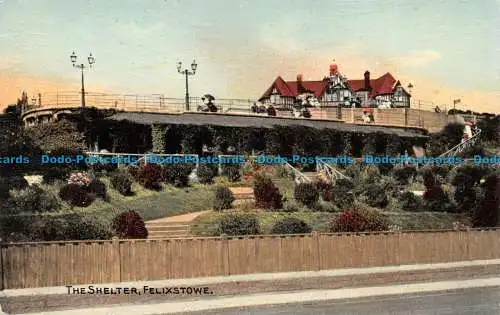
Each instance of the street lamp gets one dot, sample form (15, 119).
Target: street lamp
(187, 73)
(410, 88)
(455, 102)
(82, 67)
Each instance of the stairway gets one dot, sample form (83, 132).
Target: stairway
(314, 176)
(159, 229)
(459, 148)
(242, 195)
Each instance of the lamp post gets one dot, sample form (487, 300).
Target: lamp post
(82, 67)
(410, 88)
(455, 102)
(187, 73)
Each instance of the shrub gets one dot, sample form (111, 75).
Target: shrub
(239, 224)
(325, 189)
(369, 174)
(359, 220)
(291, 226)
(404, 174)
(4, 190)
(52, 174)
(306, 193)
(206, 173)
(232, 172)
(98, 189)
(34, 199)
(79, 178)
(150, 176)
(130, 225)
(376, 196)
(267, 195)
(122, 182)
(177, 174)
(436, 199)
(76, 195)
(16, 182)
(133, 171)
(223, 198)
(343, 195)
(487, 214)
(290, 206)
(410, 202)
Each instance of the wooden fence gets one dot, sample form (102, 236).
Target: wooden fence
(27, 265)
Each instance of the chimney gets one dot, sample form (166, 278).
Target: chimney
(300, 87)
(334, 69)
(367, 80)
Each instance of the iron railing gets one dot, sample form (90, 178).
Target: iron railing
(459, 148)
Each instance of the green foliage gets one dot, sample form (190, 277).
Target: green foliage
(450, 136)
(129, 225)
(122, 182)
(235, 224)
(177, 174)
(159, 138)
(223, 198)
(59, 135)
(267, 194)
(466, 179)
(306, 193)
(404, 174)
(375, 196)
(436, 199)
(291, 226)
(33, 199)
(98, 189)
(325, 189)
(343, 193)
(150, 176)
(488, 211)
(232, 172)
(76, 195)
(408, 201)
(53, 174)
(15, 182)
(359, 220)
(206, 173)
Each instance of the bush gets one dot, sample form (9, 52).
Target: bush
(206, 173)
(232, 172)
(122, 182)
(52, 174)
(369, 174)
(129, 225)
(79, 178)
(376, 196)
(98, 189)
(133, 171)
(359, 220)
(410, 202)
(306, 193)
(16, 182)
(343, 195)
(223, 198)
(239, 224)
(34, 199)
(404, 174)
(436, 200)
(291, 226)
(76, 195)
(177, 174)
(267, 195)
(4, 190)
(325, 189)
(150, 176)
(487, 214)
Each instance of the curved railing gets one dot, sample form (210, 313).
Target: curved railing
(324, 168)
(459, 148)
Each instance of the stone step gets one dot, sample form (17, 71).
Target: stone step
(183, 227)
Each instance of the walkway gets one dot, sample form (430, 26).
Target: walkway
(184, 218)
(172, 227)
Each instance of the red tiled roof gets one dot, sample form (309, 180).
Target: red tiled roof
(382, 85)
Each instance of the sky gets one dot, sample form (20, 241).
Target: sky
(447, 49)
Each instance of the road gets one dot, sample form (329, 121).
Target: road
(484, 301)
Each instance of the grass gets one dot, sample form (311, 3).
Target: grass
(169, 201)
(206, 224)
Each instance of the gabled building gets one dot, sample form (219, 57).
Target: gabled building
(336, 90)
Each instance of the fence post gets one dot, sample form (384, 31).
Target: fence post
(225, 254)
(317, 252)
(117, 253)
(2, 270)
